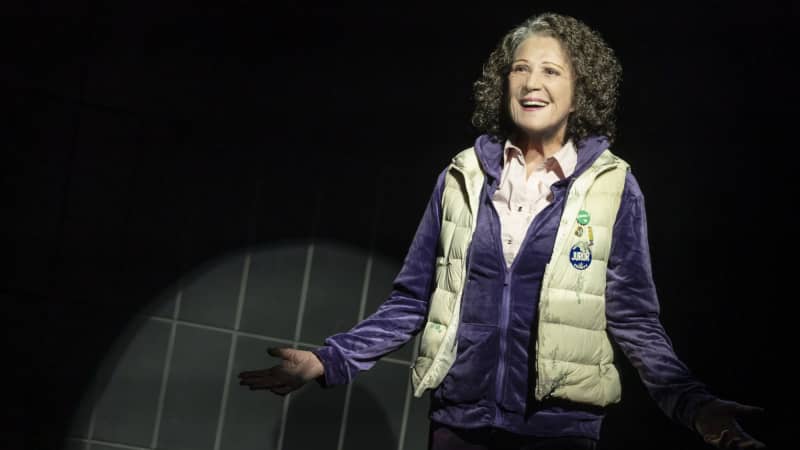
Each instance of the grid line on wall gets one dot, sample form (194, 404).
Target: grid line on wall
(401, 440)
(349, 392)
(232, 351)
(235, 333)
(297, 329)
(162, 391)
(260, 337)
(90, 431)
(89, 442)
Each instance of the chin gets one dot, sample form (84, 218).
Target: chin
(533, 131)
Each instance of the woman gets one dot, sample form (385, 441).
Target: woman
(531, 256)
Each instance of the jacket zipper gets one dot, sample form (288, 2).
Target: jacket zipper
(506, 301)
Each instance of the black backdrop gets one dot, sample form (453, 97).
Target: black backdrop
(144, 138)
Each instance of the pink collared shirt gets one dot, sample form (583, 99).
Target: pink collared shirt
(518, 200)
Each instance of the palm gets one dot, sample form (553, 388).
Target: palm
(296, 368)
(716, 423)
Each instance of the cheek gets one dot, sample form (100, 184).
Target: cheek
(510, 91)
(509, 102)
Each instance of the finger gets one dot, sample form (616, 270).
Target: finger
(283, 353)
(258, 386)
(266, 381)
(720, 440)
(747, 409)
(733, 445)
(264, 388)
(271, 372)
(261, 387)
(738, 407)
(727, 439)
(752, 443)
(251, 382)
(736, 439)
(744, 440)
(713, 440)
(253, 373)
(737, 444)
(281, 374)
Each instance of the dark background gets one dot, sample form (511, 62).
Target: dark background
(145, 138)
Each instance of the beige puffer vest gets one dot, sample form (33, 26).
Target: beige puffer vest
(574, 358)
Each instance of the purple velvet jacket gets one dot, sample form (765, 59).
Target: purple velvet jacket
(491, 382)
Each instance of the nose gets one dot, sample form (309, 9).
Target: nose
(533, 82)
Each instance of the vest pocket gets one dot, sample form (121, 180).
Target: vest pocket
(470, 377)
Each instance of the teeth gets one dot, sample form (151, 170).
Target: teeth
(533, 103)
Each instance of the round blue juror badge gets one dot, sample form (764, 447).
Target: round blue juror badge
(580, 255)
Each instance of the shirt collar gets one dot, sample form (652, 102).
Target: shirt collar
(566, 157)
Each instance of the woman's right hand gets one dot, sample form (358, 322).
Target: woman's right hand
(297, 367)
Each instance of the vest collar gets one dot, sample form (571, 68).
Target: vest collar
(490, 154)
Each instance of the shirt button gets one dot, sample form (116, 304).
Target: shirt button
(519, 208)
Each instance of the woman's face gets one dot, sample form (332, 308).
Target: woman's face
(540, 88)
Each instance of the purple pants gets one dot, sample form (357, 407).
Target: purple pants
(444, 437)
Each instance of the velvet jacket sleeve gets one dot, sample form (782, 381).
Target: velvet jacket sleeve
(632, 312)
(400, 317)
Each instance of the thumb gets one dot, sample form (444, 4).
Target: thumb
(747, 409)
(283, 353)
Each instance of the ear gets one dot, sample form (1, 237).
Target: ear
(572, 103)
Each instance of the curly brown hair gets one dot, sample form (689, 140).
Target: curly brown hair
(596, 72)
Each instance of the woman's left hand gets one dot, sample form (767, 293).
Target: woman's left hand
(716, 423)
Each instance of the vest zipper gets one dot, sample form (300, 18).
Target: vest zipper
(468, 262)
(463, 292)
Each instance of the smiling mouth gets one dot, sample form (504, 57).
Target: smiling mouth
(532, 105)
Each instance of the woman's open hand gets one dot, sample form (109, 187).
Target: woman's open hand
(716, 423)
(297, 367)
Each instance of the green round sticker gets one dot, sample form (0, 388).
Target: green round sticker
(583, 217)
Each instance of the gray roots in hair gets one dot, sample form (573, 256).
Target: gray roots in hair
(595, 69)
(533, 26)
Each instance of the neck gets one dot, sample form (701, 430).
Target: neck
(537, 148)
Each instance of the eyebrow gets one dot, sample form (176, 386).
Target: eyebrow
(550, 62)
(543, 62)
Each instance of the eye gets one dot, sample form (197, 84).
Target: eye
(519, 68)
(550, 71)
